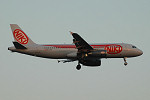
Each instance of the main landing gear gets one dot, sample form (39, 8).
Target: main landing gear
(78, 66)
(125, 61)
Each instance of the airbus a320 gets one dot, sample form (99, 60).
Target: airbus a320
(81, 51)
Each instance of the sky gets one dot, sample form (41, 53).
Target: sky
(24, 77)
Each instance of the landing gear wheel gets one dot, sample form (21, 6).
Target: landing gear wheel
(78, 67)
(125, 61)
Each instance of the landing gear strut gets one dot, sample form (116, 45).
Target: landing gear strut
(125, 61)
(78, 66)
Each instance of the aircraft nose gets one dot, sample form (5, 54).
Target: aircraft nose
(140, 52)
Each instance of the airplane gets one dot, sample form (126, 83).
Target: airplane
(81, 51)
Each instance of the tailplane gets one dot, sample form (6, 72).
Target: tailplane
(19, 46)
(21, 40)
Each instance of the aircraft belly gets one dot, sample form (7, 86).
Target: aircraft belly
(114, 56)
(119, 55)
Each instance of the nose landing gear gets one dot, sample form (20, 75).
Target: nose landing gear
(125, 61)
(78, 66)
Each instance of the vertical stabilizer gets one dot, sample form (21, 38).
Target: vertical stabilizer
(20, 36)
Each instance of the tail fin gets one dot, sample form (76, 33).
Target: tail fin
(20, 37)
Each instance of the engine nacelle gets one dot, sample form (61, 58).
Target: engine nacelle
(98, 53)
(91, 62)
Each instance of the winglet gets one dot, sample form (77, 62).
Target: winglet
(71, 32)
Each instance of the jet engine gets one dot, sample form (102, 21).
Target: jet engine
(91, 62)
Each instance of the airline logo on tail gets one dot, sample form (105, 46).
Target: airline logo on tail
(20, 36)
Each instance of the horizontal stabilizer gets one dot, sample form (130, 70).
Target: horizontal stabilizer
(18, 46)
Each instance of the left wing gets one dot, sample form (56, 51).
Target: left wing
(80, 43)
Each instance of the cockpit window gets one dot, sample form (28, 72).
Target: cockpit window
(133, 46)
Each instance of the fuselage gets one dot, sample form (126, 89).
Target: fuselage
(69, 51)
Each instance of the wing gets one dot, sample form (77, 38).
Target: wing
(80, 43)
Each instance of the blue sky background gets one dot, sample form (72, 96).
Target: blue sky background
(25, 77)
